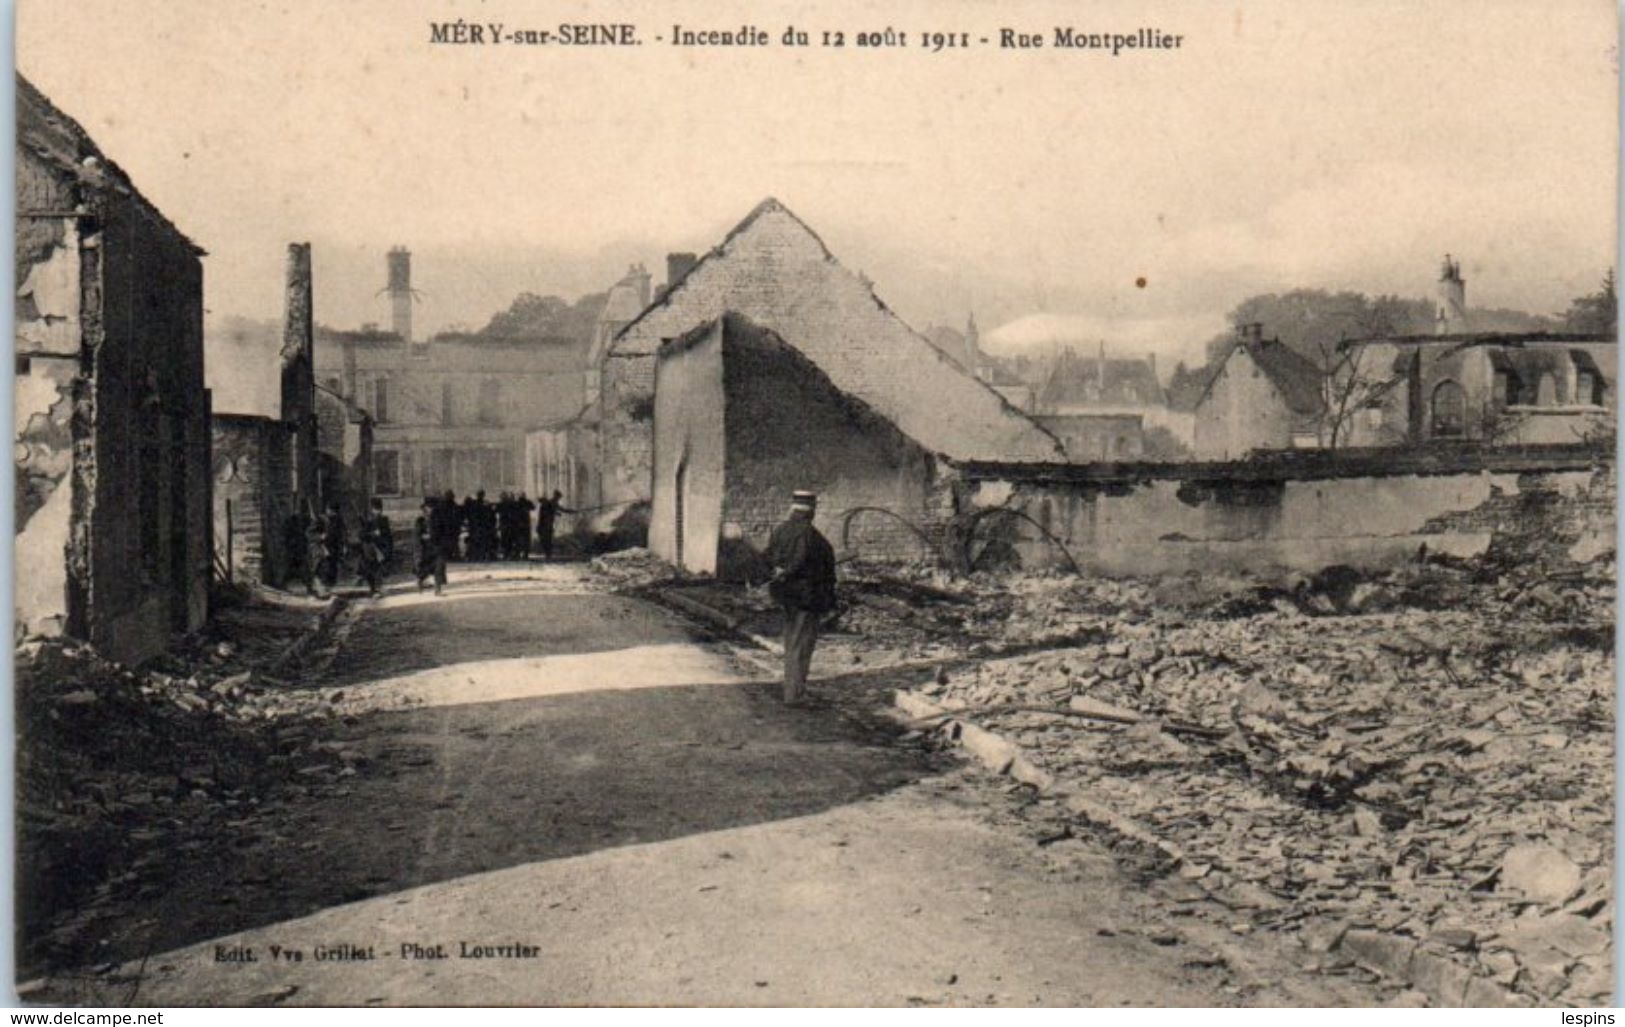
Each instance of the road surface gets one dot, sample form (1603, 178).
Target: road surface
(575, 798)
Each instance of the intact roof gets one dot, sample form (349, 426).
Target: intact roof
(1117, 380)
(737, 328)
(41, 126)
(1295, 376)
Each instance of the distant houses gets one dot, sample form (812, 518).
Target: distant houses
(1263, 396)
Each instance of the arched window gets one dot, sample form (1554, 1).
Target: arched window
(1546, 390)
(1449, 411)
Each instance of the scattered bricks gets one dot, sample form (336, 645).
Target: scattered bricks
(1541, 872)
(1444, 982)
(1325, 936)
(1122, 826)
(1483, 993)
(915, 705)
(1024, 771)
(1387, 954)
(991, 750)
(1462, 939)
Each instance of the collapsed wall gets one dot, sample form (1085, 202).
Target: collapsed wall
(1233, 518)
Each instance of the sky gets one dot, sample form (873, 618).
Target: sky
(1343, 144)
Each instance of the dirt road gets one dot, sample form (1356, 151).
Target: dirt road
(570, 797)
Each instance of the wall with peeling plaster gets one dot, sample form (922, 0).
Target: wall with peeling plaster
(253, 495)
(111, 435)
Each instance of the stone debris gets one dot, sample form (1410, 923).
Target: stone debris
(630, 569)
(117, 768)
(1424, 754)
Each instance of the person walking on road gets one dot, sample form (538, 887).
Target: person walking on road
(803, 584)
(431, 564)
(334, 543)
(370, 547)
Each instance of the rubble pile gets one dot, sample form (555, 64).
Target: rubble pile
(925, 613)
(1440, 774)
(630, 568)
(117, 768)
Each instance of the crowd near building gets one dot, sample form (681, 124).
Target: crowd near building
(689, 412)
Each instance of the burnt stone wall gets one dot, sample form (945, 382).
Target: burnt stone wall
(776, 272)
(253, 496)
(1241, 521)
(789, 428)
(151, 518)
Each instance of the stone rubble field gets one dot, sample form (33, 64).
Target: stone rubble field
(1423, 756)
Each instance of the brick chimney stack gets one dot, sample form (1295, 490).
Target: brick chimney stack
(400, 292)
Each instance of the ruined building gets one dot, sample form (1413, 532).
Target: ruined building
(112, 437)
(725, 457)
(316, 450)
(773, 270)
(449, 412)
(1494, 388)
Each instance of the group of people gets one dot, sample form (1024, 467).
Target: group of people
(495, 531)
(319, 547)
(803, 581)
(477, 530)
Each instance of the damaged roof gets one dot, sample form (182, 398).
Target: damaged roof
(737, 330)
(767, 206)
(48, 133)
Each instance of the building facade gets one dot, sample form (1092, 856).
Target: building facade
(113, 479)
(453, 412)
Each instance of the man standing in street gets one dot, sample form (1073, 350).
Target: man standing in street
(803, 584)
(547, 512)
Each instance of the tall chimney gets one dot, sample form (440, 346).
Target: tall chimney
(1451, 314)
(299, 366)
(400, 292)
(677, 266)
(638, 277)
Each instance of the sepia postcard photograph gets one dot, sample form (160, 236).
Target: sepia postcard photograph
(607, 503)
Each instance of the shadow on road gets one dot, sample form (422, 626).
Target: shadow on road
(456, 790)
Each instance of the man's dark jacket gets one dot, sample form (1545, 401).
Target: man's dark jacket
(807, 565)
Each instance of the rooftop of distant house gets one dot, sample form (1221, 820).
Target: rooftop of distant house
(1074, 378)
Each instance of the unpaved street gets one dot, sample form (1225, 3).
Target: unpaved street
(576, 797)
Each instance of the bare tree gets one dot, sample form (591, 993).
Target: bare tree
(1353, 381)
